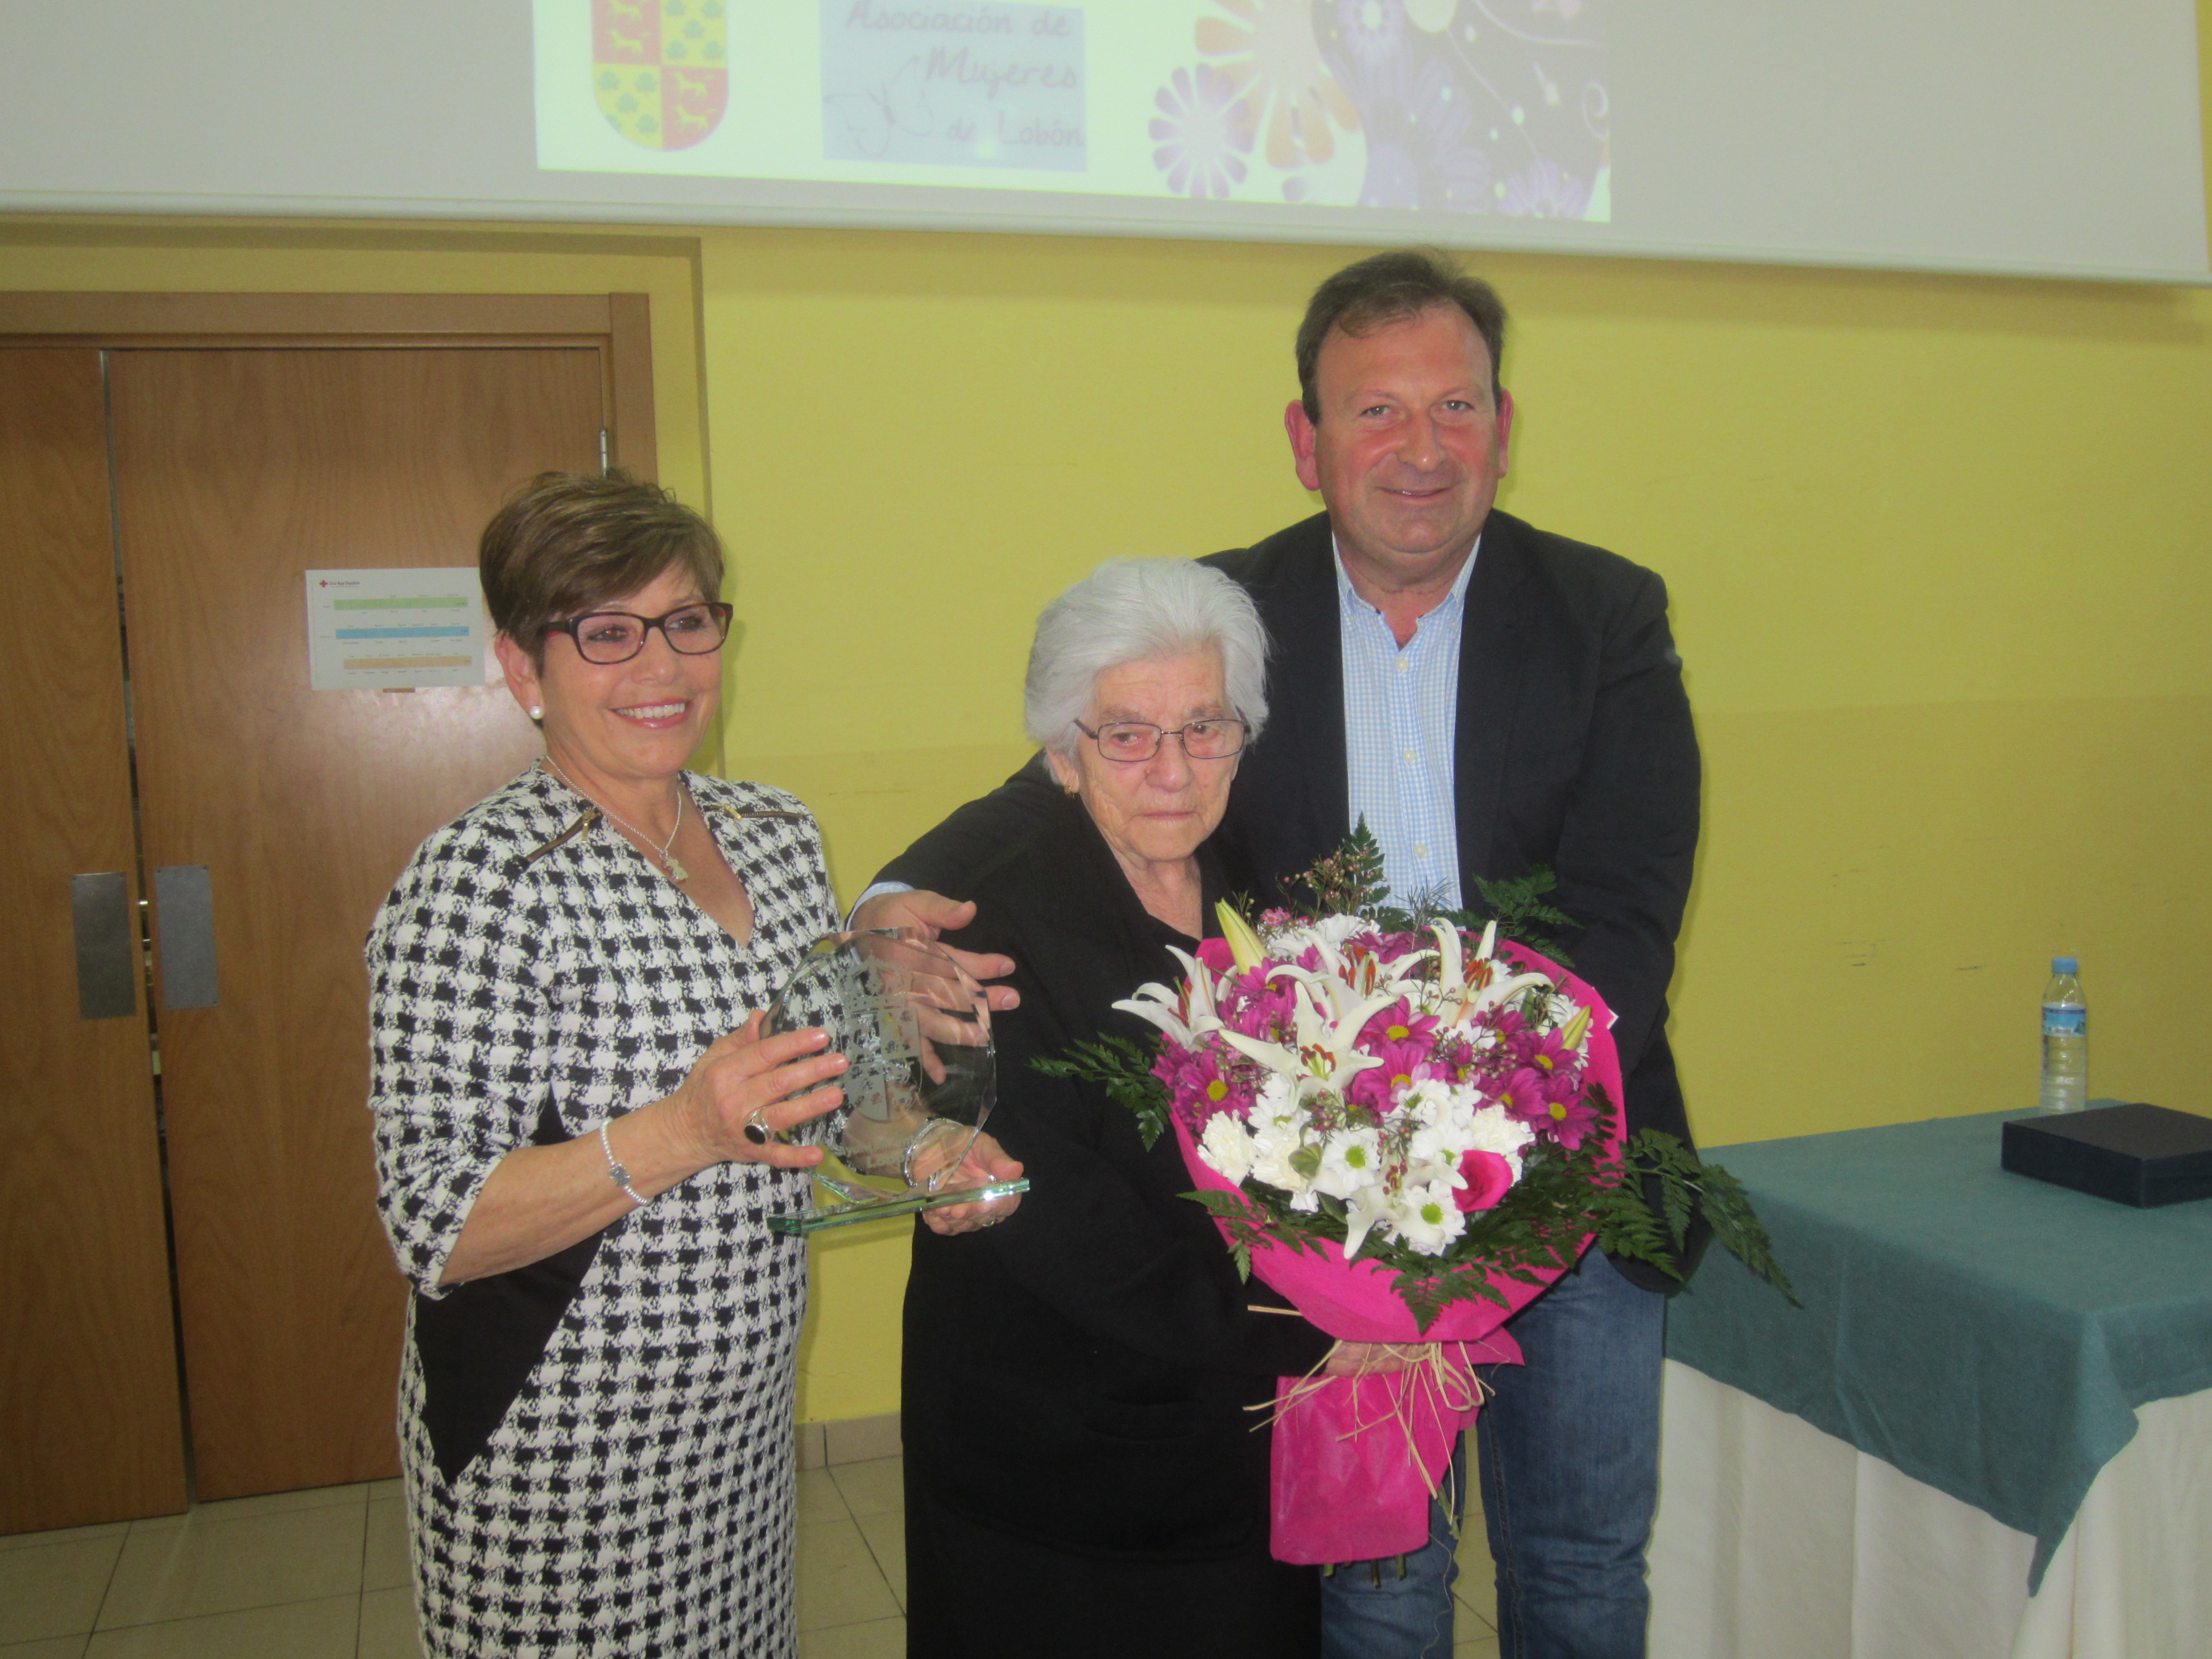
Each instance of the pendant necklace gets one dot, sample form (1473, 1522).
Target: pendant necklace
(675, 872)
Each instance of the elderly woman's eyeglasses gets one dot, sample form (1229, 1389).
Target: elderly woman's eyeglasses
(1136, 740)
(613, 636)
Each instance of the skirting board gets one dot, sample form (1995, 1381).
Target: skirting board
(849, 1440)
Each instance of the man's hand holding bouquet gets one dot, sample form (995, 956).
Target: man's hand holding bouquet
(1408, 1126)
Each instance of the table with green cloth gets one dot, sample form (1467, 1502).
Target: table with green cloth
(1984, 1334)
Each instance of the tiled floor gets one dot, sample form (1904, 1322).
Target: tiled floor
(322, 1575)
(852, 1568)
(298, 1575)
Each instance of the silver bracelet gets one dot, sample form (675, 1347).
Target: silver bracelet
(615, 1173)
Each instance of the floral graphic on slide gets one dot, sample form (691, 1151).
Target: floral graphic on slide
(1267, 49)
(1476, 105)
(1203, 130)
(1545, 192)
(1430, 158)
(660, 68)
(1373, 32)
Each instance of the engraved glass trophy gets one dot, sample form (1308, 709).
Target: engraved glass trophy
(915, 1030)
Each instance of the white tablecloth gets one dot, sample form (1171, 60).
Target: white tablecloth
(1774, 1540)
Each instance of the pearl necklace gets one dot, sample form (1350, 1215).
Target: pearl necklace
(675, 872)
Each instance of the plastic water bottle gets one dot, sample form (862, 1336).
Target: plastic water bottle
(2065, 1038)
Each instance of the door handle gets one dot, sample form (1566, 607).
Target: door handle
(106, 946)
(183, 899)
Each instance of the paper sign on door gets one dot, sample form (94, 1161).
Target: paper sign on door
(371, 631)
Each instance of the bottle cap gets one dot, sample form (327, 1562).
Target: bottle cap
(2065, 964)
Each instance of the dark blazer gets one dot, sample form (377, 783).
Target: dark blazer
(1078, 1374)
(1574, 749)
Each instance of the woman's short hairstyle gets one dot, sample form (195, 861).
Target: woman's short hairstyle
(1139, 611)
(568, 543)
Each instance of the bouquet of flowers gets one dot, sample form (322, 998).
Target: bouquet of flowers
(1408, 1127)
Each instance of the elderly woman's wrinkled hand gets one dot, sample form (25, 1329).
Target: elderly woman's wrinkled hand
(935, 914)
(985, 1164)
(768, 1084)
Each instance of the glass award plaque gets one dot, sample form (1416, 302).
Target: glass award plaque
(915, 1030)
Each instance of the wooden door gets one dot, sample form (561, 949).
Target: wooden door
(237, 471)
(89, 1423)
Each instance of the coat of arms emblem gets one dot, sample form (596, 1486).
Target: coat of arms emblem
(662, 69)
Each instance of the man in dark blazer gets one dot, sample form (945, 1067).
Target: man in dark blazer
(1489, 698)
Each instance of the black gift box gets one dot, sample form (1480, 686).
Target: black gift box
(2137, 1154)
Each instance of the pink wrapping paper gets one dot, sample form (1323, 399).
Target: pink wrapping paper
(1356, 1460)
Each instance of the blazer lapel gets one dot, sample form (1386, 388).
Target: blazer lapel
(1491, 666)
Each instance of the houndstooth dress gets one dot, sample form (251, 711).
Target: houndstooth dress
(627, 1488)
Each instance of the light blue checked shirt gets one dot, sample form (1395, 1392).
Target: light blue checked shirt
(1400, 716)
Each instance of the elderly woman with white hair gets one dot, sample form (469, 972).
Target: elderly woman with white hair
(1085, 1470)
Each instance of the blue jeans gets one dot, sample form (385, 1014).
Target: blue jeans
(1401, 1607)
(1570, 1444)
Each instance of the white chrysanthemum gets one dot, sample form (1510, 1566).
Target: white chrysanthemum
(1273, 1141)
(1291, 943)
(1350, 1159)
(1497, 1130)
(1425, 1217)
(1444, 1117)
(1227, 1145)
(1559, 1009)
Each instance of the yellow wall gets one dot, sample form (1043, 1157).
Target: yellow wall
(1941, 552)
(1938, 549)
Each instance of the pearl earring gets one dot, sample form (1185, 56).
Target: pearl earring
(536, 711)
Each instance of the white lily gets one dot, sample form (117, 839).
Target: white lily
(1326, 1050)
(1331, 987)
(1162, 1006)
(1244, 945)
(1571, 1036)
(1450, 978)
(1366, 1208)
(1463, 997)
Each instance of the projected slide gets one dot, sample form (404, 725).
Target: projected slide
(1472, 107)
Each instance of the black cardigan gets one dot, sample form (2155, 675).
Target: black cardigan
(1078, 1375)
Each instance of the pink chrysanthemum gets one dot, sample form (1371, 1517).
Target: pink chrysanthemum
(1560, 1068)
(1568, 1120)
(1405, 1062)
(1522, 1094)
(1399, 1023)
(1201, 1085)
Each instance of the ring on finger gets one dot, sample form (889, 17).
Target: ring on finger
(756, 1130)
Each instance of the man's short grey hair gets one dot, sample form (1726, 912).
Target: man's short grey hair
(1139, 611)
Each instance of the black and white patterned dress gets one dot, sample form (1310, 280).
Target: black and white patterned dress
(598, 1448)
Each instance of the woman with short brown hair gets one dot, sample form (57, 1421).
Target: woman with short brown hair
(576, 1118)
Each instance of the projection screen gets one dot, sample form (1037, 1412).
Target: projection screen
(1980, 135)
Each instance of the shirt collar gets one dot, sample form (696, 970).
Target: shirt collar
(1449, 609)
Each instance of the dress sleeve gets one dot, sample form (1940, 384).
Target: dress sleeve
(458, 1029)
